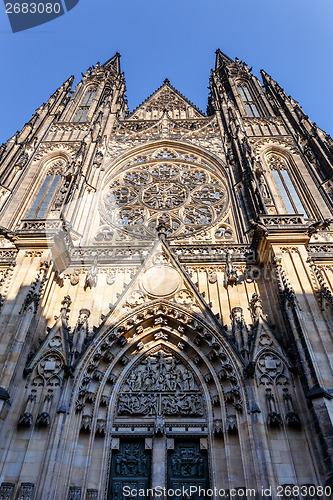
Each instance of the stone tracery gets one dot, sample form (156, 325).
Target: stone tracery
(162, 188)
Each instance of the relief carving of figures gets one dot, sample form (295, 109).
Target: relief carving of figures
(160, 385)
(273, 418)
(187, 462)
(162, 373)
(131, 460)
(256, 306)
(182, 404)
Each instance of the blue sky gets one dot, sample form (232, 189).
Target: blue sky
(177, 39)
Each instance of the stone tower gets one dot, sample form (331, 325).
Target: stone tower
(166, 294)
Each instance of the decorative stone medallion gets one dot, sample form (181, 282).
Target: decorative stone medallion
(161, 281)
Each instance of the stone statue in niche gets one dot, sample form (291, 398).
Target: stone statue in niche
(160, 385)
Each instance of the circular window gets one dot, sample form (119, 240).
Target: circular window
(184, 197)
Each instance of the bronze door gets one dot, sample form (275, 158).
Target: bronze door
(130, 471)
(187, 471)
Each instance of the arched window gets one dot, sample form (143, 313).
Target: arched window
(290, 198)
(46, 193)
(248, 101)
(83, 109)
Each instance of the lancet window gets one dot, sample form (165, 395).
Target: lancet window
(248, 101)
(291, 201)
(46, 193)
(82, 111)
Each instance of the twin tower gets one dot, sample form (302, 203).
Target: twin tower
(166, 295)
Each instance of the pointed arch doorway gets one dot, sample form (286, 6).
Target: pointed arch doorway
(162, 394)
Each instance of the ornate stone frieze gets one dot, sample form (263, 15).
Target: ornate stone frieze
(281, 220)
(7, 255)
(68, 127)
(41, 225)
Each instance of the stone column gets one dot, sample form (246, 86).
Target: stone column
(158, 462)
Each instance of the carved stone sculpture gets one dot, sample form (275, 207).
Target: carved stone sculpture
(160, 385)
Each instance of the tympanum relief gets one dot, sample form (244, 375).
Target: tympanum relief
(161, 385)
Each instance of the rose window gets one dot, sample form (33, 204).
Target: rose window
(164, 195)
(185, 198)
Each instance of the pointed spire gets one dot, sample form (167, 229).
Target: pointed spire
(113, 63)
(221, 59)
(68, 83)
(65, 87)
(267, 78)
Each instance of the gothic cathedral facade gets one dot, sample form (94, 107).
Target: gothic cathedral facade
(166, 294)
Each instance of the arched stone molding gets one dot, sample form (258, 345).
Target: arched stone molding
(214, 163)
(136, 333)
(282, 146)
(119, 348)
(39, 168)
(295, 167)
(49, 150)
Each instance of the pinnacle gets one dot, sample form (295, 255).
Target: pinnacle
(221, 59)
